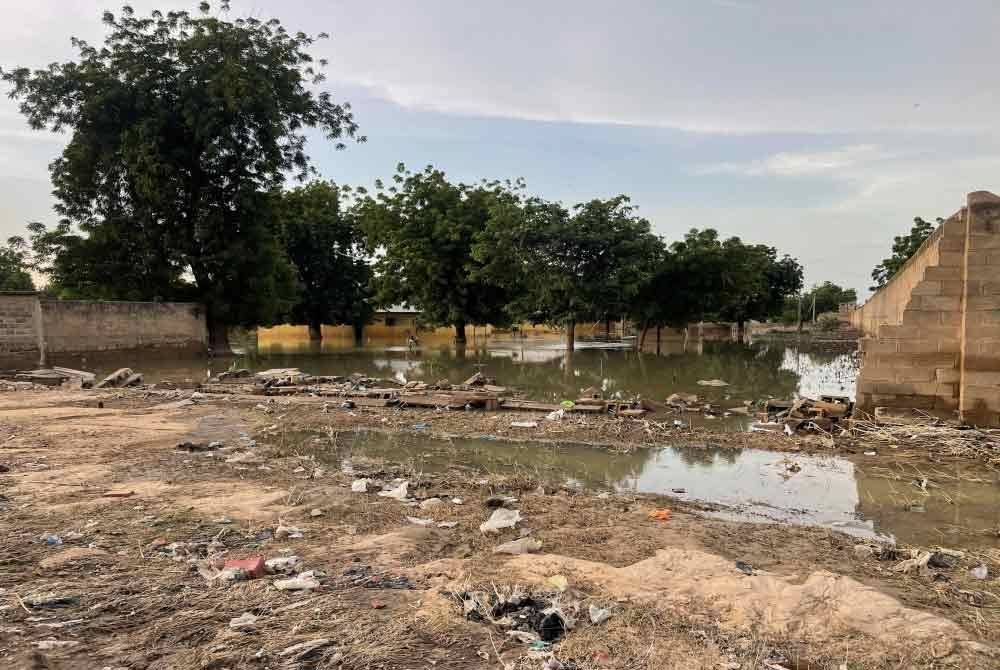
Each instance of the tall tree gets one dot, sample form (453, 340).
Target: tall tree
(14, 274)
(903, 246)
(756, 282)
(425, 227)
(827, 297)
(327, 249)
(180, 126)
(569, 267)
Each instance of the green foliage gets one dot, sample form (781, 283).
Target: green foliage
(14, 274)
(563, 267)
(327, 249)
(827, 323)
(703, 278)
(180, 127)
(426, 227)
(829, 297)
(903, 247)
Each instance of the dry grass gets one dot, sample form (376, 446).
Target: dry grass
(930, 435)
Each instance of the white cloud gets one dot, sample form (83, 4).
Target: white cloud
(793, 164)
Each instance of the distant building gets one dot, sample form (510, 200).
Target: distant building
(398, 317)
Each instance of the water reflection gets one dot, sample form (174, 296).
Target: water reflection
(752, 484)
(538, 366)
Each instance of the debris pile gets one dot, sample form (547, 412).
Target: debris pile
(55, 376)
(805, 415)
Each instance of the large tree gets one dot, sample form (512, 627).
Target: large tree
(425, 227)
(903, 246)
(821, 298)
(756, 282)
(327, 249)
(181, 125)
(567, 267)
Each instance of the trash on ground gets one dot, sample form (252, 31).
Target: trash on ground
(289, 532)
(525, 545)
(447, 524)
(598, 615)
(660, 515)
(500, 519)
(303, 582)
(303, 649)
(524, 424)
(979, 572)
(245, 621)
(359, 486)
(744, 567)
(430, 503)
(416, 521)
(398, 493)
(282, 564)
(253, 567)
(712, 382)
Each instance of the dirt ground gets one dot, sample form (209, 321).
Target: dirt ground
(112, 540)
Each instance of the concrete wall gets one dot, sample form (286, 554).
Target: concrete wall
(932, 334)
(85, 326)
(18, 319)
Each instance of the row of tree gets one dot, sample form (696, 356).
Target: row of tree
(185, 129)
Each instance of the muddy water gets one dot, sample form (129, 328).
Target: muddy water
(541, 367)
(864, 497)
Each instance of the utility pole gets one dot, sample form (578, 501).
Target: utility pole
(814, 307)
(800, 313)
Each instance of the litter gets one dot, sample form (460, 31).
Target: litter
(245, 621)
(430, 503)
(290, 532)
(359, 486)
(304, 582)
(556, 415)
(979, 572)
(420, 522)
(712, 382)
(524, 424)
(598, 615)
(282, 564)
(398, 493)
(523, 636)
(557, 582)
(525, 545)
(916, 564)
(421, 426)
(447, 524)
(500, 519)
(660, 515)
(744, 567)
(51, 539)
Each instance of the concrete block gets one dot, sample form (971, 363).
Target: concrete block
(874, 374)
(983, 379)
(940, 303)
(927, 288)
(918, 346)
(982, 303)
(915, 374)
(979, 241)
(940, 273)
(950, 259)
(887, 332)
(915, 317)
(947, 375)
(873, 346)
(949, 344)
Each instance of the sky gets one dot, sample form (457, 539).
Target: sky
(819, 128)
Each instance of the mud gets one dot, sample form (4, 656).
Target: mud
(816, 598)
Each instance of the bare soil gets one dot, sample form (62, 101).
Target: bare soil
(123, 589)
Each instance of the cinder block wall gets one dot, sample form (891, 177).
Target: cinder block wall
(932, 335)
(84, 325)
(18, 333)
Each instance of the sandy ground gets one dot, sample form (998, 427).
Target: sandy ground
(128, 586)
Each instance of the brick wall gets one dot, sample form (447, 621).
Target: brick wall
(84, 325)
(17, 323)
(932, 335)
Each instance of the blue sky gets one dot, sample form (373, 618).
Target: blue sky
(819, 128)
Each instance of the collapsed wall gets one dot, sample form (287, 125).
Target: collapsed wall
(931, 336)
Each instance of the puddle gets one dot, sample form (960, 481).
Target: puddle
(872, 501)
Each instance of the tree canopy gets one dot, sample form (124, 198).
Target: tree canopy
(328, 251)
(425, 227)
(14, 274)
(903, 246)
(180, 126)
(567, 267)
(828, 298)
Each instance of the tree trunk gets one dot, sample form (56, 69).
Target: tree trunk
(359, 334)
(218, 337)
(607, 328)
(460, 332)
(740, 329)
(642, 336)
(571, 336)
(315, 332)
(657, 340)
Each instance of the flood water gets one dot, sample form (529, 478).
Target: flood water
(863, 497)
(540, 367)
